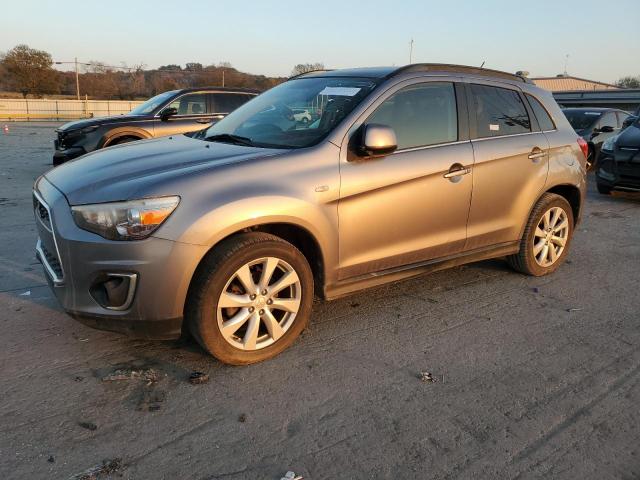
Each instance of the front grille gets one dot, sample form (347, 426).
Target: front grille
(42, 213)
(52, 260)
(47, 248)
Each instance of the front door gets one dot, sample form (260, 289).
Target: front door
(411, 205)
(510, 168)
(193, 115)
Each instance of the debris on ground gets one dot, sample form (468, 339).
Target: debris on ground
(426, 377)
(573, 309)
(242, 418)
(88, 425)
(151, 400)
(354, 305)
(535, 290)
(51, 459)
(196, 378)
(291, 476)
(148, 375)
(78, 378)
(107, 467)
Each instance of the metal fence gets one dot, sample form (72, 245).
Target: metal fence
(41, 109)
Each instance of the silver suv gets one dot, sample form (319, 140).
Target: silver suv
(230, 232)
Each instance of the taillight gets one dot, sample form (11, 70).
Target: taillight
(584, 146)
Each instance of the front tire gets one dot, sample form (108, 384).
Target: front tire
(546, 239)
(250, 298)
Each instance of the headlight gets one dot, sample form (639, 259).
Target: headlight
(132, 220)
(609, 143)
(90, 129)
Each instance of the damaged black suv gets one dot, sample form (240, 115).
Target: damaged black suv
(173, 112)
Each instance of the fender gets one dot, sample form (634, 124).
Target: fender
(320, 221)
(128, 131)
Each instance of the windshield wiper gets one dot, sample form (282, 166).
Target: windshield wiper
(230, 138)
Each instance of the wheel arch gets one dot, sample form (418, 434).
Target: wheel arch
(113, 135)
(569, 192)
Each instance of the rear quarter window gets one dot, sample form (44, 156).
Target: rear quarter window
(499, 111)
(543, 117)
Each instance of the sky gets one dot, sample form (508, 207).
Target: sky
(269, 37)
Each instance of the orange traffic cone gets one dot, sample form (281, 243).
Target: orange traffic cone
(5, 129)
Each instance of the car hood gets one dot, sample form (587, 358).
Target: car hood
(144, 168)
(90, 122)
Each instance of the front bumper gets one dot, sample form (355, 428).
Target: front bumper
(616, 173)
(61, 156)
(75, 261)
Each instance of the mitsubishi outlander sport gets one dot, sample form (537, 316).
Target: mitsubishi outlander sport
(230, 233)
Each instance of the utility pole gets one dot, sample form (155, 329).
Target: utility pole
(77, 80)
(223, 77)
(566, 63)
(411, 52)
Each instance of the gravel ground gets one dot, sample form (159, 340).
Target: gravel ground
(534, 377)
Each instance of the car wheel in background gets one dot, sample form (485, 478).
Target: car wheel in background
(250, 298)
(120, 141)
(603, 189)
(547, 235)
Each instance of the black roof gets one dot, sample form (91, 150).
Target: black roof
(383, 73)
(216, 89)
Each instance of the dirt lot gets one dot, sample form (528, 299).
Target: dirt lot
(534, 377)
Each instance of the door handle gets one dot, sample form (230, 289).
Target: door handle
(204, 120)
(537, 153)
(456, 170)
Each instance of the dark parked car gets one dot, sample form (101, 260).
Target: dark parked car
(176, 111)
(619, 161)
(595, 125)
(631, 118)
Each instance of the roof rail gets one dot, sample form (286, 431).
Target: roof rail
(310, 71)
(445, 67)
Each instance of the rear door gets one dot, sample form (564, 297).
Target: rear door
(510, 163)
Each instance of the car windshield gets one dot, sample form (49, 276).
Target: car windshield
(296, 114)
(153, 103)
(581, 119)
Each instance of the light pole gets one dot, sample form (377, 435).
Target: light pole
(76, 63)
(411, 52)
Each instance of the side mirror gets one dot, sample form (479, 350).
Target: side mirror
(606, 129)
(378, 140)
(168, 112)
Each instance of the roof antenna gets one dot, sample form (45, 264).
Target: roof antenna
(566, 63)
(482, 64)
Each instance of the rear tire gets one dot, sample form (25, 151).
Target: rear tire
(602, 189)
(259, 320)
(547, 237)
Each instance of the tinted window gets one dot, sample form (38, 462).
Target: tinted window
(228, 102)
(421, 115)
(544, 120)
(581, 119)
(499, 111)
(609, 120)
(622, 117)
(190, 104)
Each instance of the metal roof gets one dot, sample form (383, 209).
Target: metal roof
(568, 84)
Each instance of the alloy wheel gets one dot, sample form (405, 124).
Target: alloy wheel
(259, 303)
(550, 236)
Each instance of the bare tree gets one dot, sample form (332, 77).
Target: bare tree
(629, 82)
(30, 71)
(306, 67)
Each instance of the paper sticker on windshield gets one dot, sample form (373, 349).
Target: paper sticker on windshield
(493, 127)
(340, 91)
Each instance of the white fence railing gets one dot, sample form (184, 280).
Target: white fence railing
(42, 109)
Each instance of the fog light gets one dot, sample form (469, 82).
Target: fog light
(114, 291)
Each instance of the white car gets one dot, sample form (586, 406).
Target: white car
(302, 116)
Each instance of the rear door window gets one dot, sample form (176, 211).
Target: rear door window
(228, 102)
(543, 117)
(421, 115)
(609, 120)
(499, 111)
(622, 117)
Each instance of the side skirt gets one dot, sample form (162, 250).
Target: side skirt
(361, 282)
